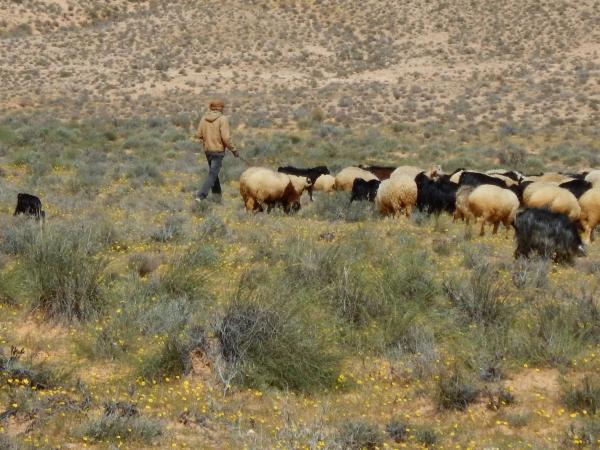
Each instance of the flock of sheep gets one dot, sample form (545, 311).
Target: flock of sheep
(553, 214)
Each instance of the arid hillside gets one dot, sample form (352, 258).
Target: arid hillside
(415, 61)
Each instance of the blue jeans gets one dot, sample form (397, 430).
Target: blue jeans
(215, 161)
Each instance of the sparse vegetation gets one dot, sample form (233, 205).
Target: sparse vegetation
(135, 318)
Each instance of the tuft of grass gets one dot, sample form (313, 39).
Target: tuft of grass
(397, 431)
(273, 342)
(72, 290)
(455, 391)
(28, 372)
(583, 397)
(117, 427)
(357, 435)
(481, 298)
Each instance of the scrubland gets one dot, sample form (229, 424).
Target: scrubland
(137, 318)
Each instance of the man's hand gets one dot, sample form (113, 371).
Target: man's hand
(235, 153)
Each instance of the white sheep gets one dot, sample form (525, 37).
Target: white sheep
(345, 179)
(396, 194)
(594, 178)
(555, 199)
(325, 183)
(413, 171)
(590, 213)
(493, 205)
(260, 187)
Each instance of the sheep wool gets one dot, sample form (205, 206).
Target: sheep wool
(590, 213)
(410, 171)
(396, 194)
(493, 205)
(325, 183)
(261, 187)
(345, 179)
(462, 203)
(555, 199)
(594, 178)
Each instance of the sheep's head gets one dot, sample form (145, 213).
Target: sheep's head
(435, 171)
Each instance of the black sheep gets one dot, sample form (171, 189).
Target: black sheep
(547, 233)
(313, 173)
(435, 196)
(381, 172)
(476, 179)
(577, 187)
(364, 190)
(29, 205)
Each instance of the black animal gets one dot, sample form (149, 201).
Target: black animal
(381, 172)
(364, 190)
(547, 233)
(576, 175)
(29, 205)
(512, 174)
(577, 187)
(435, 196)
(313, 173)
(476, 179)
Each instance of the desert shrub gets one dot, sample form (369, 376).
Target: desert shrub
(7, 443)
(481, 298)
(117, 427)
(170, 230)
(171, 359)
(38, 375)
(213, 227)
(17, 233)
(145, 171)
(268, 340)
(409, 278)
(426, 436)
(586, 434)
(73, 288)
(455, 391)
(530, 273)
(397, 431)
(584, 396)
(551, 334)
(357, 435)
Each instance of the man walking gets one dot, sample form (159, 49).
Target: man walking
(214, 133)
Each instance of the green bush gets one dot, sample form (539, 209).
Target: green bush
(584, 396)
(357, 435)
(269, 339)
(63, 273)
(117, 428)
(455, 391)
(482, 298)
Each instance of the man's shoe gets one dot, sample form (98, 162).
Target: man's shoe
(199, 199)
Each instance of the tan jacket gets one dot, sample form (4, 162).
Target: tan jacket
(214, 132)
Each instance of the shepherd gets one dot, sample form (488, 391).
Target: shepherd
(215, 135)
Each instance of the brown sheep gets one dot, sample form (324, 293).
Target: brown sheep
(494, 205)
(260, 187)
(555, 199)
(590, 213)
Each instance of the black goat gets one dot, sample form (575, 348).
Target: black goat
(381, 172)
(547, 233)
(29, 205)
(364, 190)
(435, 196)
(577, 187)
(476, 179)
